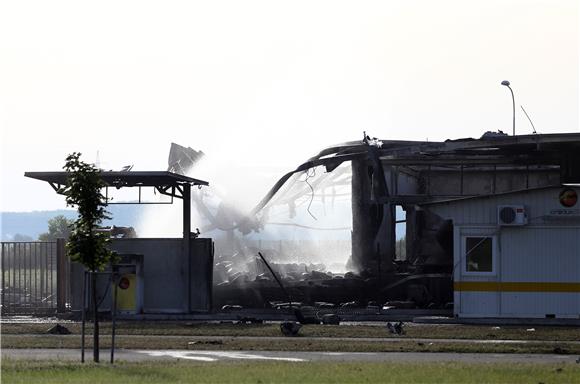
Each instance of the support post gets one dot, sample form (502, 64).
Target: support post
(362, 226)
(95, 305)
(373, 222)
(61, 276)
(3, 273)
(114, 311)
(83, 316)
(186, 238)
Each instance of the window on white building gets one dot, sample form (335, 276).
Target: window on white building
(478, 254)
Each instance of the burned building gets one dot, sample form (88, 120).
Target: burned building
(428, 225)
(388, 177)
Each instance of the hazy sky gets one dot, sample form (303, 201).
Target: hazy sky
(268, 83)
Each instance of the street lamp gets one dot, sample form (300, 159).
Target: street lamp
(507, 84)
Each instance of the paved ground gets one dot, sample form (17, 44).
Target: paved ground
(211, 356)
(317, 338)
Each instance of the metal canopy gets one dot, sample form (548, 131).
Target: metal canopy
(166, 183)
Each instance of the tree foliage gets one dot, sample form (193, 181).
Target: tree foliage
(86, 244)
(58, 227)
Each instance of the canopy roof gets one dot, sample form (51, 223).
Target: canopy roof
(124, 179)
(167, 183)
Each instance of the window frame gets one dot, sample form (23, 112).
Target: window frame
(464, 270)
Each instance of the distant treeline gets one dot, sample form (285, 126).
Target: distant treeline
(27, 226)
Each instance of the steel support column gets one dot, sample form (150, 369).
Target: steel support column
(186, 238)
(61, 276)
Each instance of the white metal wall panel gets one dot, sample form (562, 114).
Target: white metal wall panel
(547, 250)
(539, 304)
(483, 211)
(479, 304)
(540, 254)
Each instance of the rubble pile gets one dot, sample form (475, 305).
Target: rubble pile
(246, 281)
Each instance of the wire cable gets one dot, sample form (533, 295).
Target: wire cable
(308, 176)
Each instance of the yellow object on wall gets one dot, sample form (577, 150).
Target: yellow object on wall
(127, 293)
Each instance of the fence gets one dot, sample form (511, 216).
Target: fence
(33, 278)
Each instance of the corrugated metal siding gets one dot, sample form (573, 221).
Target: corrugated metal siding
(545, 250)
(539, 304)
(483, 211)
(546, 254)
(480, 303)
(540, 254)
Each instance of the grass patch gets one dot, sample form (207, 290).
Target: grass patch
(285, 344)
(45, 372)
(451, 331)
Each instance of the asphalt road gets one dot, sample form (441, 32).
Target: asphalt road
(213, 356)
(318, 338)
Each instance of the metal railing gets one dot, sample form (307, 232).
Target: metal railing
(33, 277)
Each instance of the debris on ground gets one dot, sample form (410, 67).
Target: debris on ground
(58, 330)
(396, 328)
(290, 328)
(206, 342)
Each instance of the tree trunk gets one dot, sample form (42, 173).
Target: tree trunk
(96, 318)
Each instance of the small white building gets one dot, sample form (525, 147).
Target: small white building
(516, 255)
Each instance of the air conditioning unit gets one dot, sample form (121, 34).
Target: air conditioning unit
(511, 215)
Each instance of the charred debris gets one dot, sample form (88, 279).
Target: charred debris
(386, 187)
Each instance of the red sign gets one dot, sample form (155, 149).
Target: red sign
(568, 197)
(124, 283)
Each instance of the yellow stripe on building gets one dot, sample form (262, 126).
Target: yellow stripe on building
(492, 286)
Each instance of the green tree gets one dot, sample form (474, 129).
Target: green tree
(86, 245)
(58, 227)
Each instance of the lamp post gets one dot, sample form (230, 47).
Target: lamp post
(507, 84)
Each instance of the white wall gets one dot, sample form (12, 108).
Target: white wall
(547, 250)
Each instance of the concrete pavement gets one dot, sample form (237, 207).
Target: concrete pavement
(214, 356)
